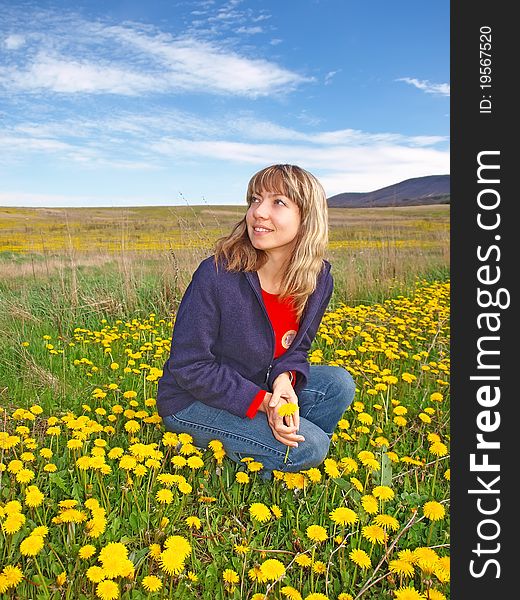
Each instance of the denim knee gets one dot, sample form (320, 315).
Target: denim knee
(312, 452)
(342, 386)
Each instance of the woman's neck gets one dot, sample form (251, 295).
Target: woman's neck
(271, 275)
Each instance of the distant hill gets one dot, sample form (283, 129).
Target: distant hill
(432, 189)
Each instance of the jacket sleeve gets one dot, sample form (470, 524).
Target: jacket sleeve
(297, 359)
(192, 362)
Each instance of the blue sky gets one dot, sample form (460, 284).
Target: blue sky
(124, 103)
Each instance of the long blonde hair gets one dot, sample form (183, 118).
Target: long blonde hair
(306, 262)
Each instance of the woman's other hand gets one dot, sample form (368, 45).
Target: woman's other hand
(285, 429)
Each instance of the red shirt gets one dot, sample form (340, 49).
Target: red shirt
(285, 326)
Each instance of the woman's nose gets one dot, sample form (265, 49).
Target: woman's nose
(261, 210)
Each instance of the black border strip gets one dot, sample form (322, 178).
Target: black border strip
(482, 248)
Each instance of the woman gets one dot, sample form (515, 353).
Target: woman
(244, 328)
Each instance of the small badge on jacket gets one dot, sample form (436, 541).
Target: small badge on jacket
(288, 337)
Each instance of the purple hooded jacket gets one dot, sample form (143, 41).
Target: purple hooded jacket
(222, 350)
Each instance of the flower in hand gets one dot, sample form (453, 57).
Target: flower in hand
(287, 410)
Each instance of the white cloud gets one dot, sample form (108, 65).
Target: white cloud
(344, 168)
(135, 60)
(158, 141)
(249, 30)
(14, 41)
(330, 75)
(74, 76)
(442, 89)
(20, 198)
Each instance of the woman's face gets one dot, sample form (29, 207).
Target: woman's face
(273, 222)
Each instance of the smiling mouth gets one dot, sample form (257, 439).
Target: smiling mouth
(261, 230)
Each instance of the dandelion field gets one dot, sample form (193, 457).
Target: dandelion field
(97, 501)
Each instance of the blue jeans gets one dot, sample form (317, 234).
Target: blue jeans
(328, 393)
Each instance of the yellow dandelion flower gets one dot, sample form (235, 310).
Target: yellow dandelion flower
(370, 504)
(164, 496)
(401, 567)
(185, 488)
(155, 550)
(12, 576)
(425, 554)
(319, 567)
(294, 480)
(61, 579)
(447, 474)
(316, 596)
(33, 496)
(24, 475)
(303, 560)
(374, 534)
(12, 507)
(194, 522)
(13, 523)
(272, 569)
(107, 590)
(360, 558)
(242, 477)
(179, 461)
(255, 574)
(387, 522)
(425, 418)
(408, 593)
(171, 561)
(87, 551)
(230, 576)
(343, 516)
(383, 492)
(151, 583)
(316, 533)
(195, 462)
(180, 544)
(207, 499)
(365, 418)
(439, 449)
(255, 466)
(192, 576)
(132, 426)
(348, 465)
(313, 474)
(408, 377)
(331, 468)
(436, 397)
(433, 594)
(290, 593)
(277, 511)
(259, 512)
(345, 596)
(288, 409)
(356, 483)
(434, 511)
(31, 545)
(241, 549)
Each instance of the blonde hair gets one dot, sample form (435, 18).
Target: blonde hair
(301, 275)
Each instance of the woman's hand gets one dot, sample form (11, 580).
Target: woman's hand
(284, 428)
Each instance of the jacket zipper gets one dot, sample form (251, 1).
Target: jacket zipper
(270, 327)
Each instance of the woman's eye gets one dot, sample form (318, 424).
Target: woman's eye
(280, 201)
